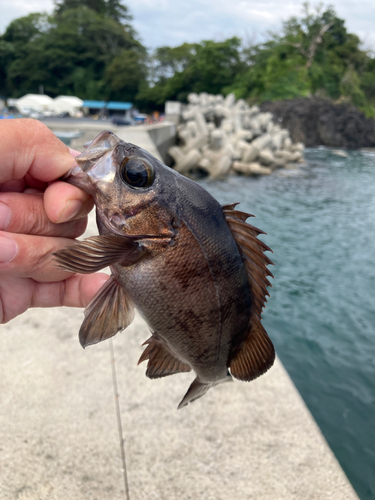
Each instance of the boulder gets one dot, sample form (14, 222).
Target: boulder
(322, 122)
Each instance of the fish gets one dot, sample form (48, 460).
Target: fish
(195, 270)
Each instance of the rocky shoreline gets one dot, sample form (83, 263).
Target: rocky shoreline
(321, 122)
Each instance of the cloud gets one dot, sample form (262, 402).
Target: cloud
(173, 22)
(12, 9)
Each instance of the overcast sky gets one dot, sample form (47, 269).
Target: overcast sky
(172, 22)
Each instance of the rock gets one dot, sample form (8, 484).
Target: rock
(321, 122)
(340, 152)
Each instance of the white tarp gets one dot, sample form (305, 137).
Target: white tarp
(48, 106)
(34, 102)
(67, 104)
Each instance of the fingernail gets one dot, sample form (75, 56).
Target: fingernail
(71, 209)
(5, 216)
(8, 249)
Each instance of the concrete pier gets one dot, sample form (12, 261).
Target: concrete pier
(59, 436)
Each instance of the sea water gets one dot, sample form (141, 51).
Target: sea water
(320, 221)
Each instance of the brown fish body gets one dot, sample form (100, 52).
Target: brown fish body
(180, 266)
(194, 296)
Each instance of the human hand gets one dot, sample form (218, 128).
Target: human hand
(38, 216)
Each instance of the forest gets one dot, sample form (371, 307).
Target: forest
(90, 49)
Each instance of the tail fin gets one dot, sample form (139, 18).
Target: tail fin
(198, 389)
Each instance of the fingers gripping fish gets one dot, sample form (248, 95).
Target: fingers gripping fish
(195, 270)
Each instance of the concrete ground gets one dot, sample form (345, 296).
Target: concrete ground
(59, 437)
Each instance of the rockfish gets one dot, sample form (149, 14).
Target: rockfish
(195, 270)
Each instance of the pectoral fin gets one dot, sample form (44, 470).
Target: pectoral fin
(108, 312)
(161, 362)
(98, 252)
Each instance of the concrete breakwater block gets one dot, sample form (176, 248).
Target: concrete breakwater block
(220, 135)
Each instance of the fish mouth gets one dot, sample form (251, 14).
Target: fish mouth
(78, 178)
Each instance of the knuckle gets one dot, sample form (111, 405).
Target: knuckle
(36, 259)
(33, 220)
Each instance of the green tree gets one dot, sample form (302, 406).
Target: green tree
(201, 67)
(23, 40)
(313, 55)
(113, 9)
(124, 75)
(69, 52)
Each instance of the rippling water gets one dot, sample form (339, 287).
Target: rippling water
(320, 222)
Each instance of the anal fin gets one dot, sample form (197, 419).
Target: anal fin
(255, 356)
(196, 390)
(161, 362)
(108, 312)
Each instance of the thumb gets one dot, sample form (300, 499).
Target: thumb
(28, 146)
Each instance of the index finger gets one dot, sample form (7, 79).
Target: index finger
(28, 146)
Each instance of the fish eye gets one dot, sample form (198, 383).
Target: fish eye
(137, 172)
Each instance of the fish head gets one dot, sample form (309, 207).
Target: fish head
(130, 187)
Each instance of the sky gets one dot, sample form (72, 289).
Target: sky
(173, 22)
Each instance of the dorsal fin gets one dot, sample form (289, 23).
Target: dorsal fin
(256, 353)
(161, 362)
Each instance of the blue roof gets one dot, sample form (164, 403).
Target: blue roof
(94, 104)
(119, 105)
